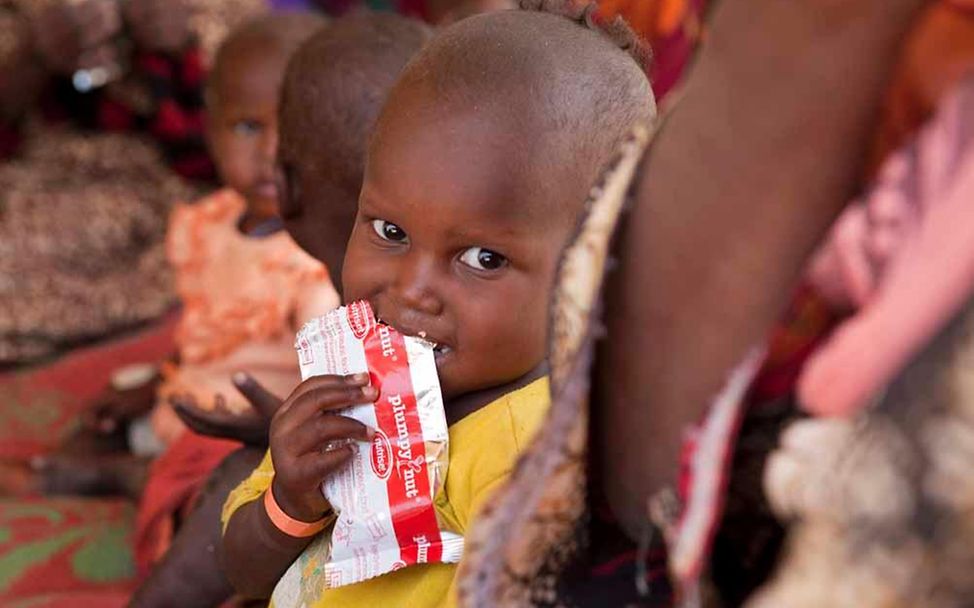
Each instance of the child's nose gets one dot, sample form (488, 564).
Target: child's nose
(415, 287)
(268, 145)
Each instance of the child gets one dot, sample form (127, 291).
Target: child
(245, 285)
(475, 176)
(322, 96)
(243, 282)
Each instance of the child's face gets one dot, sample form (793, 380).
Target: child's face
(243, 130)
(454, 238)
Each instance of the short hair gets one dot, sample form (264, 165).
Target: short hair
(283, 31)
(551, 67)
(334, 89)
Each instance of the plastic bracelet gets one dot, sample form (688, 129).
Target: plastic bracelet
(287, 524)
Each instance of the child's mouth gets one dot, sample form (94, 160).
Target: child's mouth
(440, 352)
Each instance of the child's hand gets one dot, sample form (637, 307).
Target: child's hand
(250, 427)
(301, 434)
(113, 408)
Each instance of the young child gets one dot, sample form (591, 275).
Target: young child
(331, 97)
(244, 283)
(475, 176)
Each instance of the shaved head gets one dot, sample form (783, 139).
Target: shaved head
(269, 38)
(569, 91)
(334, 89)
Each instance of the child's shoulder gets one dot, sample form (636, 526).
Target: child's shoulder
(188, 222)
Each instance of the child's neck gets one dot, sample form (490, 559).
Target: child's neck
(258, 226)
(460, 407)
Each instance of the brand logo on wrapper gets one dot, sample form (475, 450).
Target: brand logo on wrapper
(360, 318)
(381, 457)
(306, 356)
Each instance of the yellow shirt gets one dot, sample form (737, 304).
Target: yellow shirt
(483, 449)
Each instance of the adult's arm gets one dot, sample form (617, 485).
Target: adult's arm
(749, 171)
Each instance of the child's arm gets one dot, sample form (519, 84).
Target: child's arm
(748, 173)
(257, 553)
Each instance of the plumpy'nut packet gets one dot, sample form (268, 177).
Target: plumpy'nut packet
(383, 499)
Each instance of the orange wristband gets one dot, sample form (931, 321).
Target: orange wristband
(287, 524)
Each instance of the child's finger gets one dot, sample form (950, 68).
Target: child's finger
(326, 428)
(324, 382)
(309, 406)
(263, 401)
(250, 429)
(319, 465)
(310, 403)
(316, 382)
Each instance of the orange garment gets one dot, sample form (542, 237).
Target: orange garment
(243, 299)
(673, 28)
(938, 52)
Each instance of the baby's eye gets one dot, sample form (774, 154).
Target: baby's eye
(388, 231)
(247, 127)
(479, 258)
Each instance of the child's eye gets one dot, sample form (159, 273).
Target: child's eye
(479, 258)
(247, 127)
(388, 231)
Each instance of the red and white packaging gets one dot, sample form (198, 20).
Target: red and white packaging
(383, 499)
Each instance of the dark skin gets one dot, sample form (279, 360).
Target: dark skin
(242, 128)
(187, 569)
(730, 248)
(242, 132)
(442, 245)
(715, 215)
(322, 230)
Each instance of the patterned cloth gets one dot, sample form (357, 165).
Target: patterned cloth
(162, 97)
(81, 241)
(243, 299)
(65, 552)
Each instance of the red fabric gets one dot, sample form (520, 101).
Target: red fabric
(68, 552)
(175, 480)
(805, 325)
(40, 405)
(114, 116)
